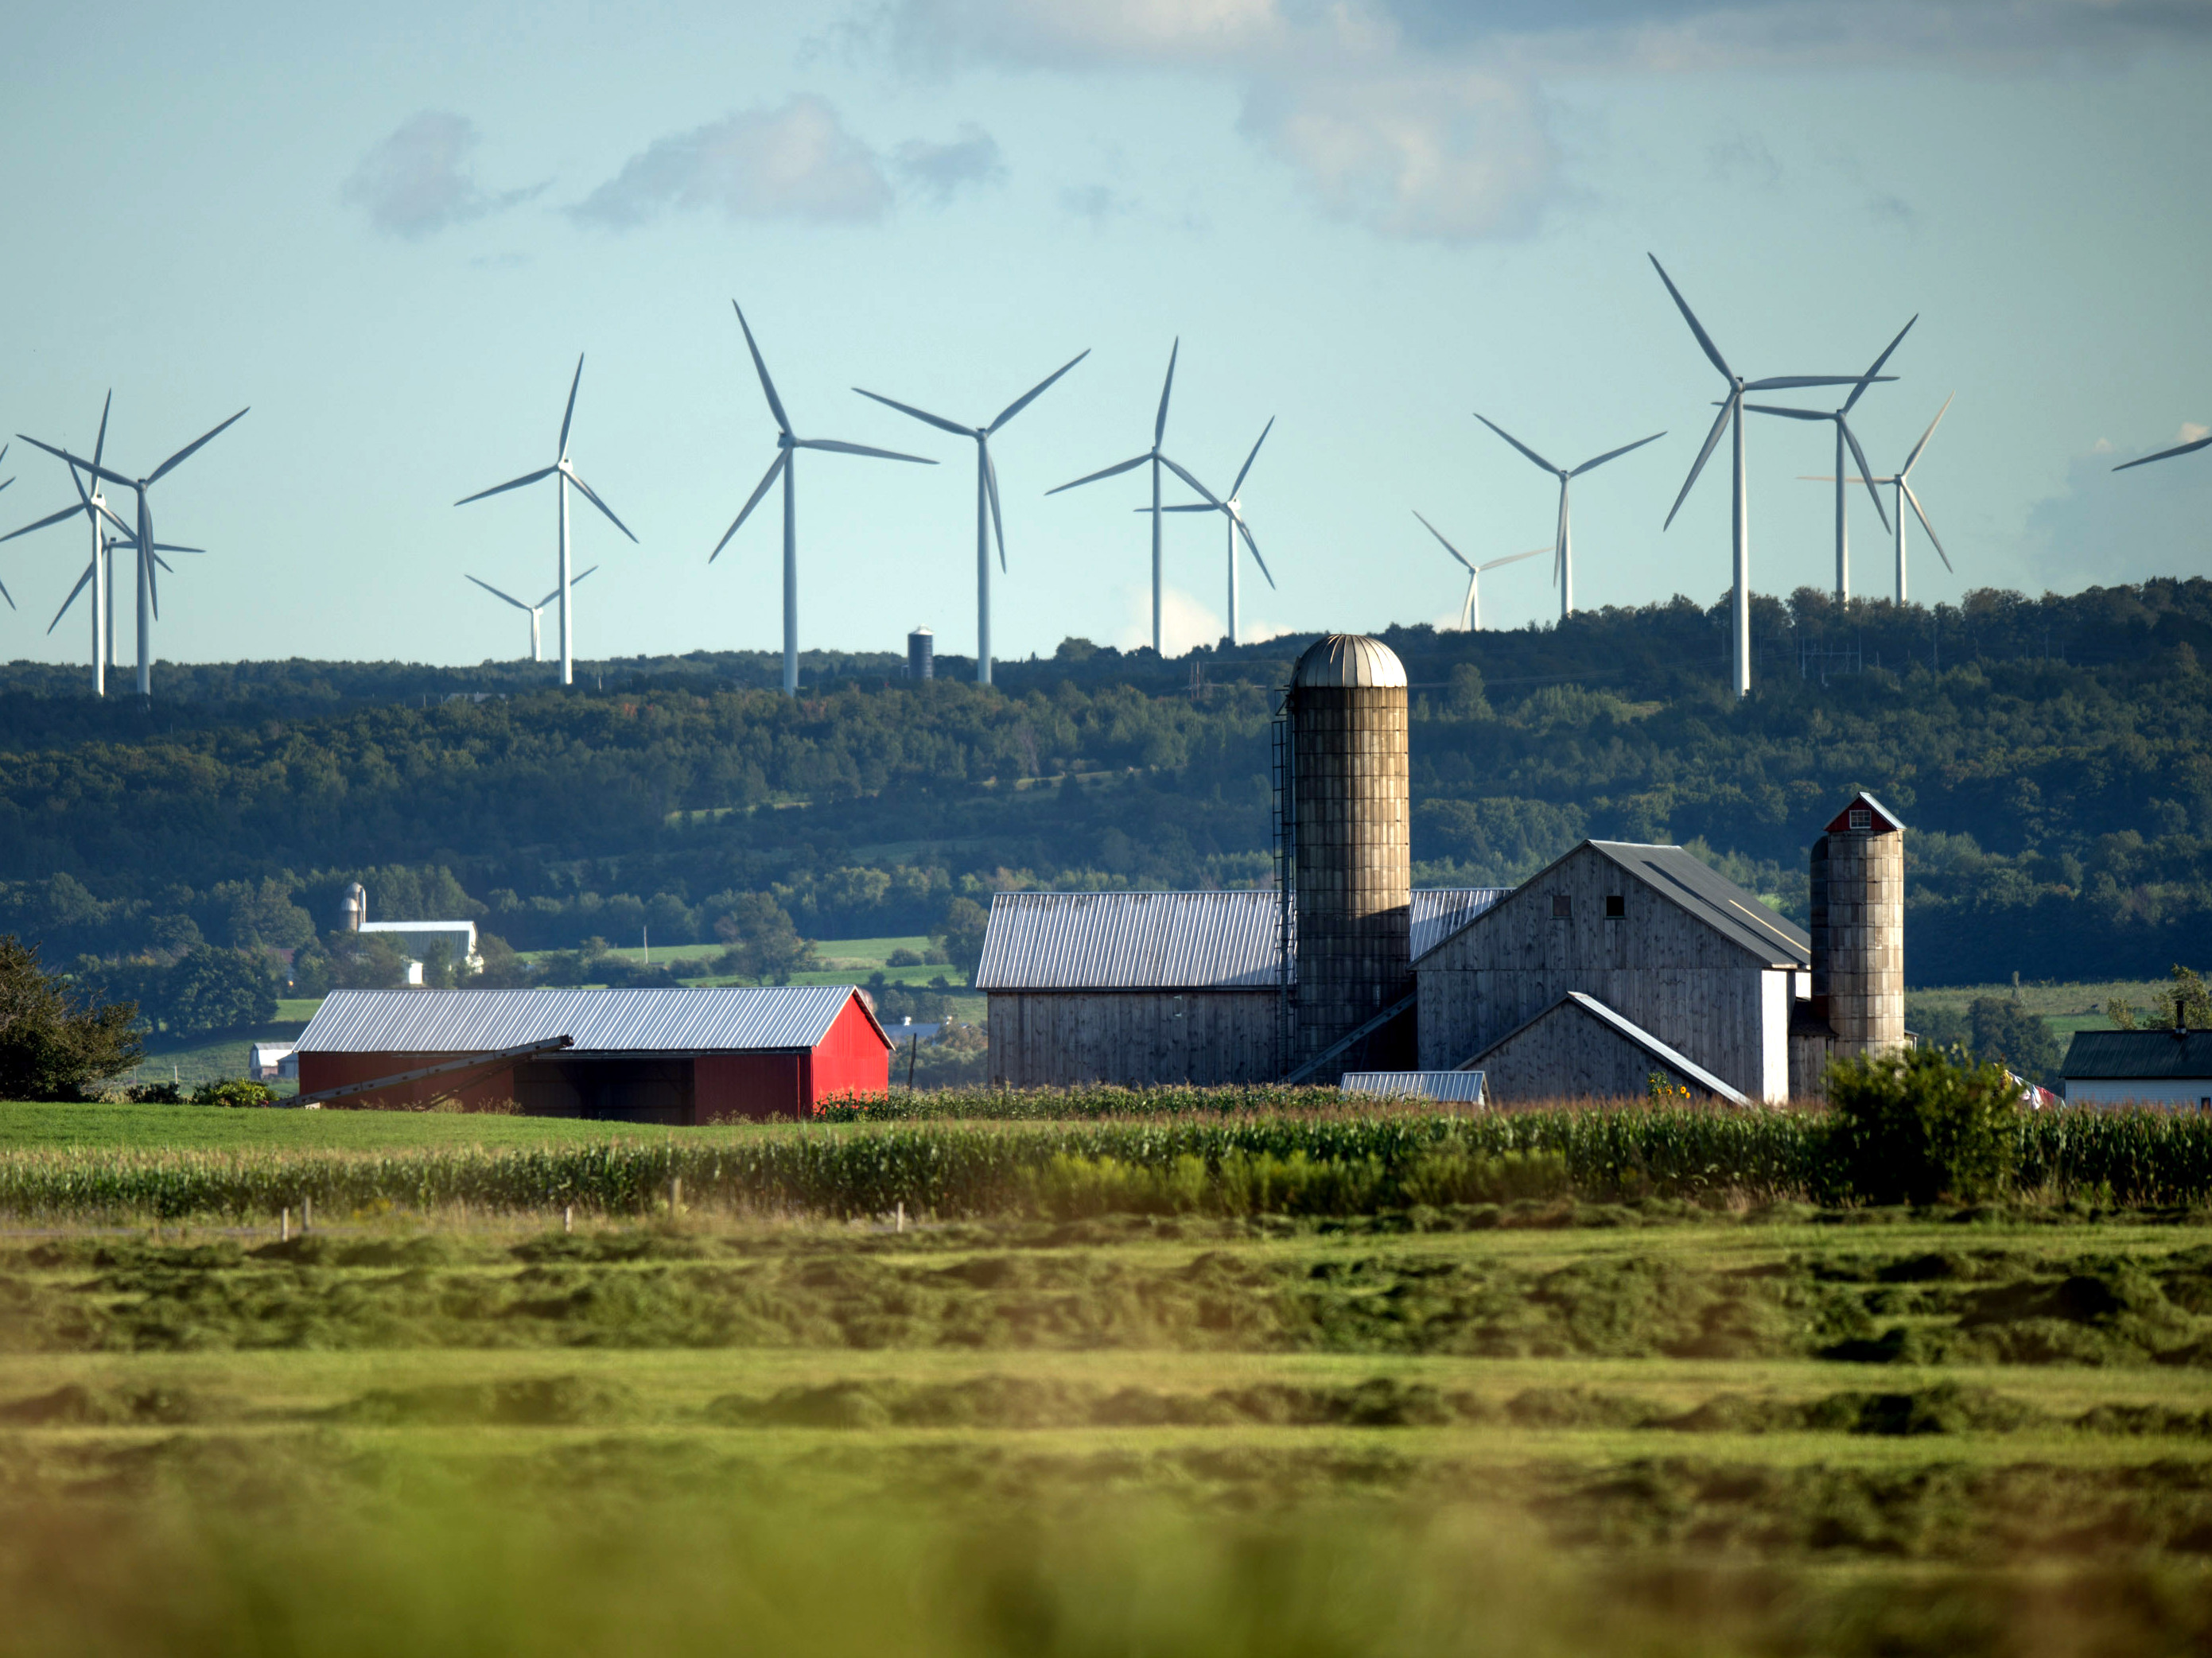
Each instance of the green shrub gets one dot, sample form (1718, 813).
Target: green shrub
(234, 1091)
(1454, 1177)
(1919, 1126)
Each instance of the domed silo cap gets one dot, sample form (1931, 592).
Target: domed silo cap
(1349, 661)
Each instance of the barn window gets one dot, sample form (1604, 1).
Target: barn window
(1862, 818)
(1563, 907)
(1616, 906)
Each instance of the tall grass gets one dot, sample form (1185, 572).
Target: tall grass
(969, 1169)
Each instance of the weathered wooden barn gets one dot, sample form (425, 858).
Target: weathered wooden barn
(1691, 961)
(673, 1057)
(1150, 989)
(1579, 1048)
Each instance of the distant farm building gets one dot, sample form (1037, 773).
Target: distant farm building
(671, 1057)
(1617, 965)
(414, 939)
(2171, 1067)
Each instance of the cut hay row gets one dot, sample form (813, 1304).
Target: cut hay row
(1295, 1163)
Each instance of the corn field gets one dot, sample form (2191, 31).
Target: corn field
(975, 1169)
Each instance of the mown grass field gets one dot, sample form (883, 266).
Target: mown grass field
(1177, 1435)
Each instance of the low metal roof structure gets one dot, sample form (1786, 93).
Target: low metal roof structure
(1458, 1087)
(1132, 941)
(1439, 912)
(727, 1019)
(2165, 1055)
(1705, 893)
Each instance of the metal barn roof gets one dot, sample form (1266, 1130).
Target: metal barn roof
(1714, 899)
(1131, 941)
(2137, 1055)
(1439, 912)
(721, 1020)
(1461, 1087)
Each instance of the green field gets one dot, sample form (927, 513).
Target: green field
(1125, 1435)
(27, 1125)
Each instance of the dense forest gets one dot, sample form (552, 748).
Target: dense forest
(2053, 758)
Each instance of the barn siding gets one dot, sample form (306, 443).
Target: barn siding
(1137, 1039)
(1657, 965)
(1570, 1054)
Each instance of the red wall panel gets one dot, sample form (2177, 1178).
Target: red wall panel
(852, 1057)
(727, 1086)
(321, 1071)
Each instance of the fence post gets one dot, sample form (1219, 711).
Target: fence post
(567, 1216)
(284, 1225)
(675, 1195)
(306, 1216)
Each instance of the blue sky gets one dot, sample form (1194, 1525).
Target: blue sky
(391, 231)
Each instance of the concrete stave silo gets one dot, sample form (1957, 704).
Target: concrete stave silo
(1858, 929)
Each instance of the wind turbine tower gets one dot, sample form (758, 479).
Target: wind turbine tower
(563, 470)
(148, 549)
(987, 515)
(1563, 546)
(1739, 502)
(1470, 609)
(787, 445)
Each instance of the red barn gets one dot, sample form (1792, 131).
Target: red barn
(673, 1057)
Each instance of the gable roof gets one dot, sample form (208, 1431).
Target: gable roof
(1703, 891)
(1575, 1004)
(725, 1019)
(1132, 941)
(2137, 1055)
(1885, 820)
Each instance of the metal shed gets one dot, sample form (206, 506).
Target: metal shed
(671, 1057)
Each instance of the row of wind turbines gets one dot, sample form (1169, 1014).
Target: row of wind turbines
(108, 532)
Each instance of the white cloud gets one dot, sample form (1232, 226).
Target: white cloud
(972, 158)
(1184, 621)
(2191, 431)
(796, 162)
(419, 180)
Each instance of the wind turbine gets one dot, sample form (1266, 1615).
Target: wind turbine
(1470, 609)
(987, 496)
(1902, 480)
(148, 549)
(1233, 510)
(1563, 548)
(1158, 460)
(535, 611)
(2166, 454)
(564, 471)
(1739, 504)
(787, 445)
(1845, 435)
(100, 570)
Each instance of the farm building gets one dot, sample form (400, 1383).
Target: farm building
(672, 1057)
(2171, 1067)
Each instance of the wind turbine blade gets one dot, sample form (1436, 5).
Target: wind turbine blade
(1705, 340)
(774, 402)
(10, 598)
(1516, 443)
(1704, 454)
(592, 495)
(937, 421)
(153, 581)
(1122, 466)
(782, 459)
(998, 524)
(1255, 546)
(123, 529)
(1614, 455)
(574, 580)
(1796, 382)
(1237, 488)
(1183, 506)
(1032, 394)
(1860, 389)
(1160, 420)
(194, 447)
(100, 443)
(836, 447)
(1448, 547)
(1180, 472)
(2163, 454)
(512, 484)
(51, 517)
(569, 413)
(1866, 472)
(78, 460)
(1788, 414)
(1906, 470)
(165, 564)
(1921, 513)
(509, 598)
(172, 547)
(70, 600)
(1510, 558)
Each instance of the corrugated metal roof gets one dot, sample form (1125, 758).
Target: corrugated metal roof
(2137, 1056)
(1131, 941)
(1714, 899)
(720, 1020)
(1575, 1002)
(1462, 1087)
(1348, 659)
(1439, 912)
